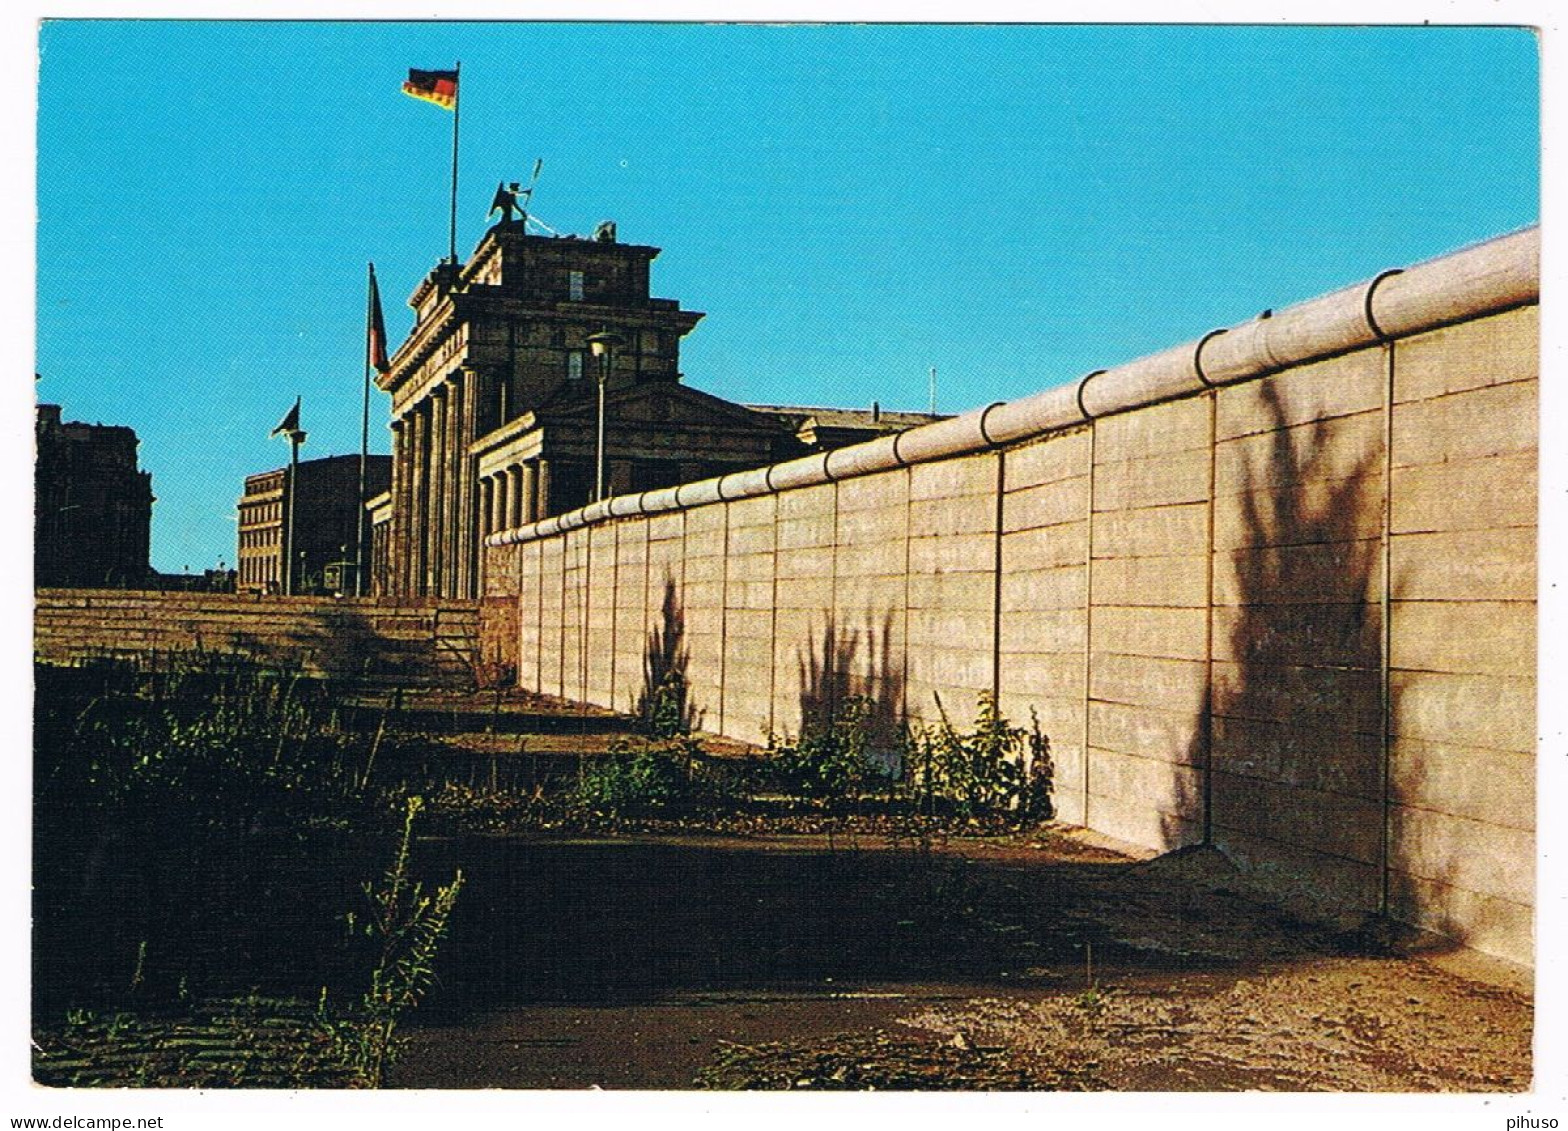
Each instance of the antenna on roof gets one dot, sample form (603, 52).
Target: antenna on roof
(933, 390)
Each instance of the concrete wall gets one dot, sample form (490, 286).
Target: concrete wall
(393, 642)
(1273, 590)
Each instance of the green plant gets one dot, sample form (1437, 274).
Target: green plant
(407, 925)
(994, 768)
(638, 778)
(832, 758)
(664, 709)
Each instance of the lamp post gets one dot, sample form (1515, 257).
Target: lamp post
(296, 438)
(603, 344)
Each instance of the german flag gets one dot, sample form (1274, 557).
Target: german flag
(439, 87)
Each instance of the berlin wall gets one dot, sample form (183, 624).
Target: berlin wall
(1272, 590)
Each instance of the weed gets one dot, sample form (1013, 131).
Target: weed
(994, 768)
(832, 758)
(407, 925)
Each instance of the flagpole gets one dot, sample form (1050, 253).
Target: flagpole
(364, 442)
(457, 103)
(296, 437)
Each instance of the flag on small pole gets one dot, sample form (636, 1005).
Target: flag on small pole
(375, 358)
(290, 423)
(376, 345)
(440, 87)
(289, 426)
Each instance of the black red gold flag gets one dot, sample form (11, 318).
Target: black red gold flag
(439, 87)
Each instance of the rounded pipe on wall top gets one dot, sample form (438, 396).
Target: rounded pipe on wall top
(1158, 377)
(697, 494)
(807, 471)
(952, 437)
(868, 458)
(744, 484)
(659, 500)
(1032, 415)
(1483, 279)
(625, 506)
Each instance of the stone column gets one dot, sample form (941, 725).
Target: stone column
(514, 496)
(454, 469)
(463, 532)
(531, 490)
(438, 480)
(418, 488)
(397, 531)
(543, 495)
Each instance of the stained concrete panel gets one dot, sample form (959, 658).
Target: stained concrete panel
(1294, 873)
(1471, 355)
(1152, 531)
(1471, 710)
(1336, 635)
(1495, 787)
(1488, 859)
(1146, 732)
(1314, 510)
(1471, 494)
(1340, 386)
(1483, 637)
(1044, 549)
(1464, 565)
(1181, 477)
(1332, 698)
(1341, 448)
(1170, 582)
(1489, 421)
(1025, 591)
(1041, 462)
(1334, 824)
(1321, 573)
(1495, 926)
(1169, 685)
(1287, 753)
(1163, 429)
(1046, 505)
(1179, 634)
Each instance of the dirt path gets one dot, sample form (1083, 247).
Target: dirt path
(1081, 970)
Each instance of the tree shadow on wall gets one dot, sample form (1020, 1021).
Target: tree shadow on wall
(1290, 728)
(856, 664)
(664, 704)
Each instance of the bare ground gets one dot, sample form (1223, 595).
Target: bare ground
(1181, 982)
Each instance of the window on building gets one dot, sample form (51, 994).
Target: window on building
(574, 365)
(574, 286)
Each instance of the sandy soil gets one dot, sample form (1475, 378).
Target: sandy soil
(1102, 973)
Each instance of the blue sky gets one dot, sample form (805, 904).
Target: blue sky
(850, 205)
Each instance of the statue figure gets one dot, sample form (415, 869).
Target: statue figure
(506, 203)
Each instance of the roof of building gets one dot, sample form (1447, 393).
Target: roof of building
(875, 418)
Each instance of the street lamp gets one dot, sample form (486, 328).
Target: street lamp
(603, 344)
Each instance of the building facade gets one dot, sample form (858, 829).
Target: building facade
(326, 525)
(92, 520)
(495, 401)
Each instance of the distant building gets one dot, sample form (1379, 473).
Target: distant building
(821, 429)
(93, 506)
(326, 524)
(495, 401)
